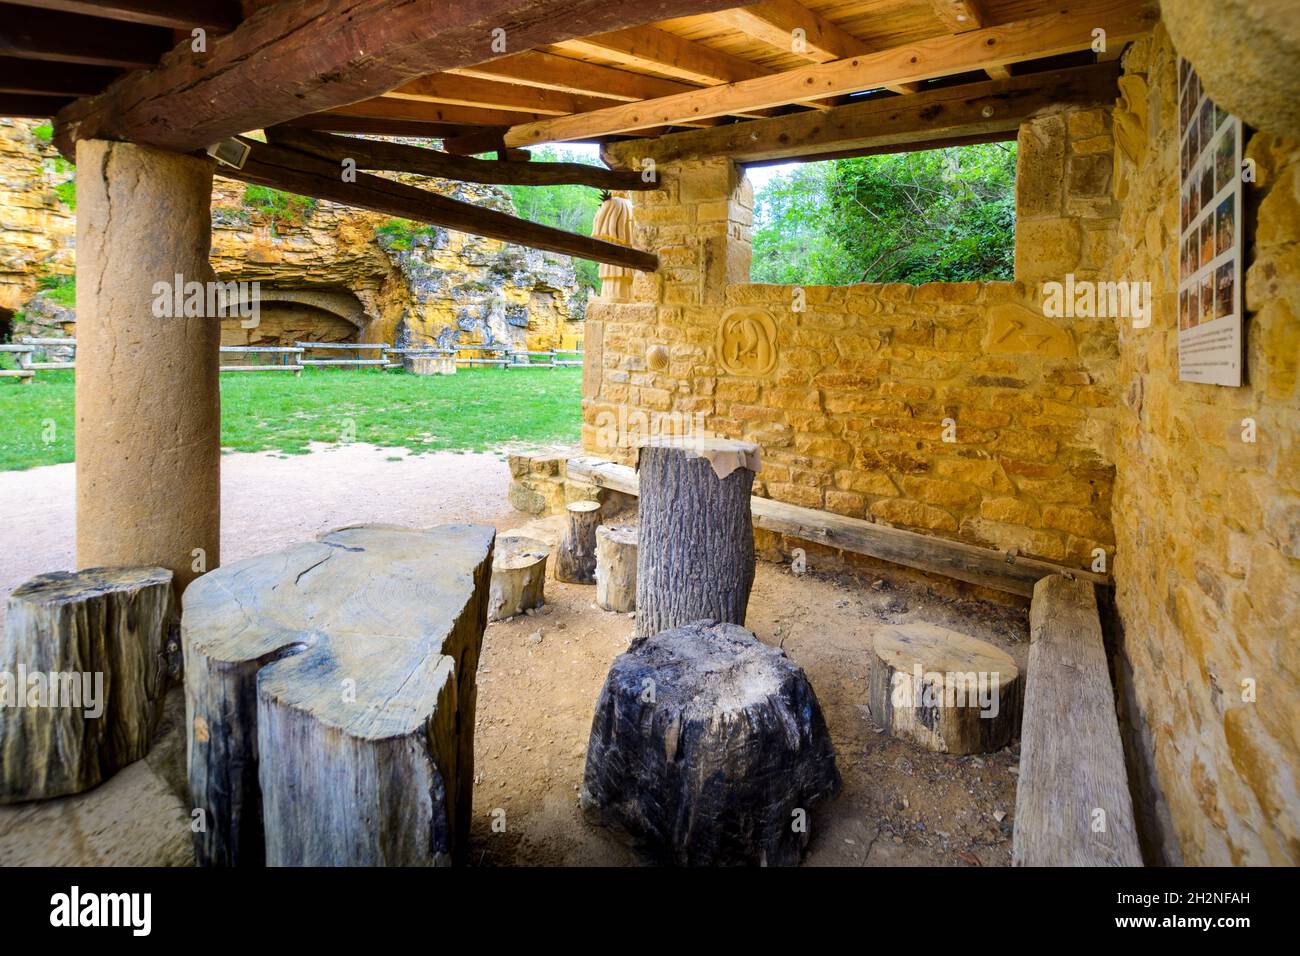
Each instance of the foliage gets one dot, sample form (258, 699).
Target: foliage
(67, 193)
(571, 208)
(475, 409)
(62, 289)
(44, 132)
(942, 215)
(401, 234)
(288, 208)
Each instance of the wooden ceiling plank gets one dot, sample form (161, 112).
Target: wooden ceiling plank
(988, 108)
(383, 107)
(548, 71)
(292, 58)
(961, 16)
(69, 38)
(1025, 39)
(308, 175)
(648, 48)
(472, 91)
(173, 14)
(52, 79)
(28, 106)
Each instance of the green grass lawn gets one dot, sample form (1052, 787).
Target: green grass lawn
(475, 410)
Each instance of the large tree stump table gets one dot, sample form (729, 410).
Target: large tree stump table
(330, 695)
(708, 748)
(83, 674)
(943, 690)
(695, 555)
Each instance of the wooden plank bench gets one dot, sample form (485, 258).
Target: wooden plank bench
(956, 559)
(330, 694)
(1073, 806)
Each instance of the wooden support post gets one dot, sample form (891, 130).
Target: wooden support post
(518, 577)
(148, 402)
(95, 643)
(695, 557)
(616, 567)
(575, 563)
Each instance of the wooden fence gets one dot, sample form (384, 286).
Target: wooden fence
(292, 358)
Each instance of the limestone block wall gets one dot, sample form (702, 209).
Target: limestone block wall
(956, 409)
(1207, 526)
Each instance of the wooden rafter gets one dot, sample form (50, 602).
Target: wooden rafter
(975, 112)
(1026, 39)
(385, 107)
(961, 16)
(309, 175)
(176, 14)
(31, 106)
(291, 58)
(53, 79)
(549, 71)
(69, 38)
(376, 155)
(472, 91)
(649, 48)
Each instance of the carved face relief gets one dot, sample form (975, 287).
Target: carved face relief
(747, 341)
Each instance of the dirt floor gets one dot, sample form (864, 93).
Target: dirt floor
(538, 681)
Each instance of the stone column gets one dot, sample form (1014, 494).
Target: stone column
(147, 399)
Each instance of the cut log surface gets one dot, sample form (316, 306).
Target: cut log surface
(575, 561)
(616, 567)
(944, 690)
(709, 749)
(330, 696)
(518, 576)
(83, 673)
(1073, 806)
(695, 558)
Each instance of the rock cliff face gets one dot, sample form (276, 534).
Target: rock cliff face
(327, 272)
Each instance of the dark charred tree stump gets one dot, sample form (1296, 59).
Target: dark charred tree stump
(708, 748)
(83, 674)
(575, 560)
(695, 556)
(330, 695)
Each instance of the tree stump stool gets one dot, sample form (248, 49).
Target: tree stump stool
(616, 567)
(83, 673)
(695, 559)
(575, 560)
(708, 748)
(330, 694)
(943, 690)
(518, 576)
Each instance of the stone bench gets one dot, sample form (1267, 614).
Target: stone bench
(330, 694)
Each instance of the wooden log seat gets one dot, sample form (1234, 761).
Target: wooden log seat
(575, 561)
(518, 576)
(708, 748)
(943, 690)
(616, 567)
(329, 691)
(1073, 805)
(83, 674)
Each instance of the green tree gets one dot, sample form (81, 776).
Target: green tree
(942, 215)
(571, 208)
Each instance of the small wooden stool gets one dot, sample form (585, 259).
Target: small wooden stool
(518, 576)
(575, 562)
(616, 567)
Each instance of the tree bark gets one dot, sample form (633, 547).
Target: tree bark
(103, 633)
(709, 749)
(330, 697)
(695, 557)
(616, 567)
(518, 577)
(575, 562)
(943, 690)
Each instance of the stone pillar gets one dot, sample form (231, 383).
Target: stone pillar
(147, 399)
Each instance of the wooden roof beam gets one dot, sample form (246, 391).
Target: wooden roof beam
(52, 79)
(308, 175)
(962, 16)
(471, 91)
(649, 48)
(69, 38)
(549, 71)
(293, 58)
(1033, 37)
(174, 14)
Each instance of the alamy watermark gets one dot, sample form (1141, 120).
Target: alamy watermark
(1086, 299)
(68, 689)
(931, 689)
(179, 299)
(627, 428)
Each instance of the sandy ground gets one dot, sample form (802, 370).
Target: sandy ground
(538, 681)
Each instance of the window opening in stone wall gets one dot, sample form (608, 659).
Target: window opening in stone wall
(937, 215)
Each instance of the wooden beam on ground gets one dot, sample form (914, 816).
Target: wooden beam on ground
(548, 71)
(401, 158)
(26, 105)
(308, 175)
(1073, 806)
(475, 92)
(175, 14)
(68, 38)
(52, 79)
(304, 56)
(1030, 38)
(823, 41)
(991, 109)
(954, 559)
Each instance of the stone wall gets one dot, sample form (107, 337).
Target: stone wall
(956, 409)
(1207, 526)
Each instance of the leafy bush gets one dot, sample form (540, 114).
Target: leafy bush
(280, 206)
(60, 288)
(942, 215)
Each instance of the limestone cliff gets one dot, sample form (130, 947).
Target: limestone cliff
(328, 272)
